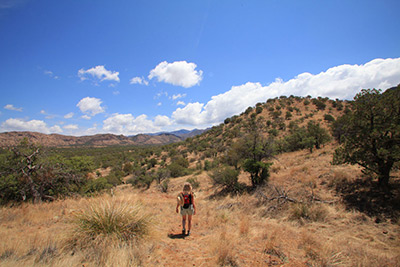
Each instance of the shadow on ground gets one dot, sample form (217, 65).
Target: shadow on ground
(176, 236)
(367, 197)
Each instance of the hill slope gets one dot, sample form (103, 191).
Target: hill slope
(57, 140)
(249, 230)
(311, 213)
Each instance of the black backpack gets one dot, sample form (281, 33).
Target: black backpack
(187, 200)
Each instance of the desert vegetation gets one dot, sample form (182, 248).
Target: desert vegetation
(290, 182)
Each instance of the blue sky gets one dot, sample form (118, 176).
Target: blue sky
(128, 67)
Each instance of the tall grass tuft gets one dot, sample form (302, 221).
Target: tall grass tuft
(309, 212)
(110, 220)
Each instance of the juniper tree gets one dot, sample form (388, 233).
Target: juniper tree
(371, 137)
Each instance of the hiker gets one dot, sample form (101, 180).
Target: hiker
(188, 208)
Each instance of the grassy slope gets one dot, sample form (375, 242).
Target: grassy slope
(239, 230)
(252, 229)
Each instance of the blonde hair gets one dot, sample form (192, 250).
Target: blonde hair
(187, 187)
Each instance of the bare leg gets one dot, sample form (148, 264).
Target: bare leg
(189, 222)
(183, 223)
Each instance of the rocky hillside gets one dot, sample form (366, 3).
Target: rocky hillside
(276, 118)
(57, 140)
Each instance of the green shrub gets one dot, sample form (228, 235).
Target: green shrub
(164, 186)
(93, 186)
(176, 170)
(259, 171)
(226, 177)
(81, 164)
(127, 168)
(162, 174)
(113, 179)
(288, 115)
(9, 189)
(207, 165)
(248, 110)
(141, 181)
(178, 167)
(319, 103)
(194, 182)
(273, 132)
(329, 117)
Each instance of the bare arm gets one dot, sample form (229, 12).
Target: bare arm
(178, 203)
(194, 205)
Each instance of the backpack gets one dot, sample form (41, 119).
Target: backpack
(187, 200)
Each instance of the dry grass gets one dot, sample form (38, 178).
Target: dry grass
(227, 231)
(224, 250)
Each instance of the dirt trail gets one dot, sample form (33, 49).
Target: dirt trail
(174, 248)
(204, 246)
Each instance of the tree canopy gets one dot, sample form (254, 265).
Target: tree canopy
(371, 135)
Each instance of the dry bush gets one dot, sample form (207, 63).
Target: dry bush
(244, 225)
(308, 212)
(275, 169)
(338, 178)
(273, 247)
(224, 250)
(103, 227)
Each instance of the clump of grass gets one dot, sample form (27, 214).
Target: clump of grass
(99, 222)
(244, 226)
(338, 178)
(47, 254)
(308, 212)
(7, 254)
(273, 247)
(224, 250)
(164, 186)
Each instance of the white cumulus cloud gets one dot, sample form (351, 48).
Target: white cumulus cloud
(127, 124)
(32, 125)
(342, 82)
(191, 114)
(179, 73)
(100, 73)
(11, 107)
(174, 97)
(69, 115)
(51, 74)
(139, 80)
(90, 106)
(162, 121)
(71, 127)
(86, 117)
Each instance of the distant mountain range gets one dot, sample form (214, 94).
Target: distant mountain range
(58, 140)
(182, 133)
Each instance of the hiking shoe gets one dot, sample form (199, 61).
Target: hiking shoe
(188, 233)
(183, 232)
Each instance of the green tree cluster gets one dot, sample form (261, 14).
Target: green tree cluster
(310, 137)
(26, 174)
(178, 166)
(370, 133)
(252, 153)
